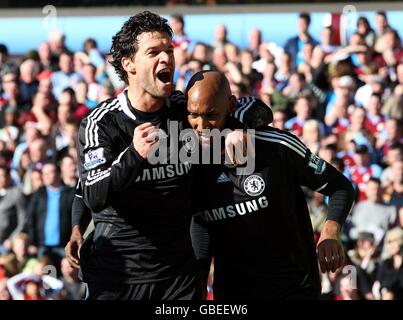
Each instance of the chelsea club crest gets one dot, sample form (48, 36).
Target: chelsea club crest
(254, 185)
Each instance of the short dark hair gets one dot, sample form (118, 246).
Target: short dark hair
(3, 49)
(91, 43)
(375, 180)
(363, 20)
(124, 43)
(396, 146)
(366, 236)
(178, 17)
(300, 76)
(382, 13)
(6, 170)
(70, 91)
(67, 53)
(376, 94)
(52, 163)
(306, 17)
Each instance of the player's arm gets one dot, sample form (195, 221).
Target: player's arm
(320, 176)
(199, 232)
(252, 113)
(102, 171)
(80, 217)
(201, 246)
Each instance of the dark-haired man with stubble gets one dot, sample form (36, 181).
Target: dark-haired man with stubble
(140, 248)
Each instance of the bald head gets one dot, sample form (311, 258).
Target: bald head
(209, 100)
(213, 82)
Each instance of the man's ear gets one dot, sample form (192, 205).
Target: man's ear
(233, 104)
(128, 65)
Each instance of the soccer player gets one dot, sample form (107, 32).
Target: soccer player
(257, 226)
(141, 247)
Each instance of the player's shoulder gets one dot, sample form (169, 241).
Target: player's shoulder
(253, 112)
(177, 98)
(280, 139)
(176, 104)
(104, 108)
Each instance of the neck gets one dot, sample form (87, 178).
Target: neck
(20, 257)
(375, 200)
(69, 279)
(246, 69)
(303, 36)
(143, 101)
(397, 261)
(54, 187)
(398, 186)
(69, 181)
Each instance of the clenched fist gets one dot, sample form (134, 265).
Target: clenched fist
(145, 138)
(329, 249)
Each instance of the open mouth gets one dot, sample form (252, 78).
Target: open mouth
(164, 75)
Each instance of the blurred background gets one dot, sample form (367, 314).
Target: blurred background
(332, 73)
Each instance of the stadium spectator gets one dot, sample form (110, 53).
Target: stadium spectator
(96, 58)
(251, 76)
(4, 293)
(56, 41)
(68, 169)
(254, 41)
(394, 154)
(396, 195)
(33, 287)
(202, 52)
(295, 45)
(94, 88)
(326, 36)
(279, 119)
(372, 215)
(19, 249)
(311, 135)
(366, 258)
(390, 272)
(6, 64)
(220, 37)
(179, 39)
(366, 31)
(29, 71)
(73, 288)
(50, 215)
(13, 216)
(66, 77)
(45, 58)
(393, 105)
(303, 111)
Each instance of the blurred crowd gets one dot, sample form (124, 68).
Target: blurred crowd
(344, 102)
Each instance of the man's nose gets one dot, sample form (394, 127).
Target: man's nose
(165, 57)
(201, 124)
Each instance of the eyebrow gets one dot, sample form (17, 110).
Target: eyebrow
(210, 110)
(159, 47)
